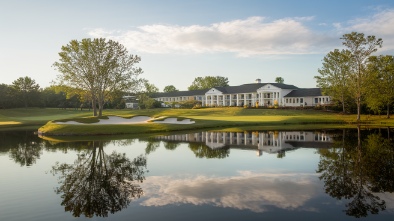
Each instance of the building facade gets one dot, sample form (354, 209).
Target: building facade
(256, 94)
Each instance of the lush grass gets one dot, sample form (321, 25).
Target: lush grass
(206, 118)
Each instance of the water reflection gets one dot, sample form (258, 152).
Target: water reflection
(24, 148)
(98, 183)
(257, 192)
(356, 168)
(343, 172)
(211, 144)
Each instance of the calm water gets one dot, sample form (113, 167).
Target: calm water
(266, 175)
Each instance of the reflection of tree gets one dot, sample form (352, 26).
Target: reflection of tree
(151, 146)
(171, 145)
(355, 169)
(203, 151)
(26, 154)
(24, 147)
(98, 183)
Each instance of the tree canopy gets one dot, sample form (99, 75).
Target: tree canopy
(279, 80)
(334, 75)
(381, 69)
(26, 88)
(99, 67)
(360, 48)
(207, 82)
(345, 73)
(169, 88)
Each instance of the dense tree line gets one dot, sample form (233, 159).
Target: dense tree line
(24, 92)
(356, 79)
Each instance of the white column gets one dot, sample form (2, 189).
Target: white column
(237, 100)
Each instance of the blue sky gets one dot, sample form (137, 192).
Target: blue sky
(179, 40)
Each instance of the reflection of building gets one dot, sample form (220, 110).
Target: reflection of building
(255, 94)
(268, 141)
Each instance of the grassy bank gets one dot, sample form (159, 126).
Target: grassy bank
(209, 118)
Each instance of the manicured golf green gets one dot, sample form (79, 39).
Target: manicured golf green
(207, 118)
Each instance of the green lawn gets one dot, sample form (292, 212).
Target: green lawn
(206, 118)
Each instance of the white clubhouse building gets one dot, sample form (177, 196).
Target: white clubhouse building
(255, 94)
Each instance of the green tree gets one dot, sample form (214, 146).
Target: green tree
(381, 89)
(53, 98)
(170, 88)
(144, 98)
(208, 82)
(98, 66)
(27, 88)
(360, 48)
(279, 80)
(334, 76)
(8, 96)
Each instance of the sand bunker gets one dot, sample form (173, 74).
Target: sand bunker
(133, 120)
(172, 120)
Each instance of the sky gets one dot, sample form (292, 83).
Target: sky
(179, 40)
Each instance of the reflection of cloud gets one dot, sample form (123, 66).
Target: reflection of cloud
(254, 35)
(255, 192)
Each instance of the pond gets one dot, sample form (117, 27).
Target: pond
(254, 175)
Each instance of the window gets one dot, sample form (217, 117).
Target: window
(301, 100)
(316, 100)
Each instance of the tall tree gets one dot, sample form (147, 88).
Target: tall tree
(98, 66)
(27, 88)
(360, 48)
(8, 96)
(279, 80)
(381, 88)
(334, 75)
(170, 88)
(144, 98)
(208, 82)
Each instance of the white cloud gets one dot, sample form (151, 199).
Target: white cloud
(250, 191)
(380, 25)
(251, 36)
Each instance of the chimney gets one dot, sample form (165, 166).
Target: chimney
(258, 81)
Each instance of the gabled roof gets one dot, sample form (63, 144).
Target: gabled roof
(180, 93)
(305, 92)
(245, 88)
(249, 88)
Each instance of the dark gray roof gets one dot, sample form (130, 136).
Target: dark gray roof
(245, 88)
(248, 88)
(180, 93)
(305, 92)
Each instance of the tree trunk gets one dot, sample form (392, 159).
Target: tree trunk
(94, 107)
(100, 109)
(388, 111)
(358, 108)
